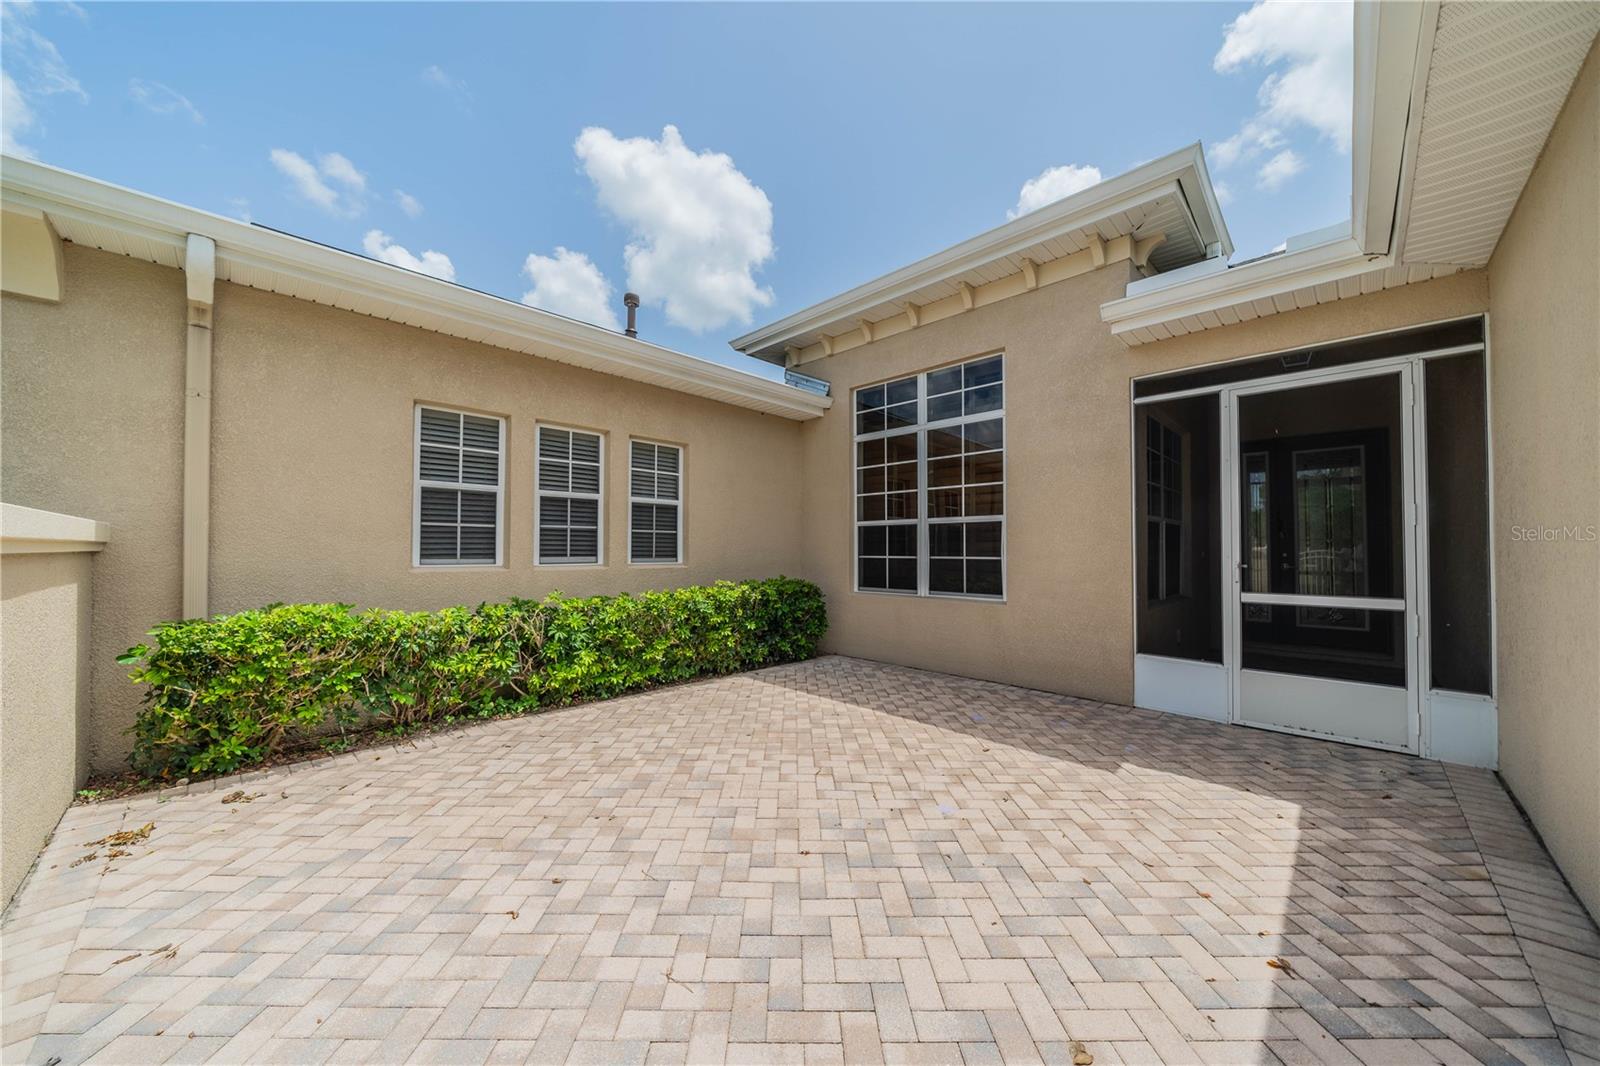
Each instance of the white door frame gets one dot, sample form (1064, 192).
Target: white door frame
(1405, 369)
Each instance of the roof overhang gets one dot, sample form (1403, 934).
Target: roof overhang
(1171, 195)
(108, 217)
(1453, 102)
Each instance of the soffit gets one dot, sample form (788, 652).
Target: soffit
(1498, 76)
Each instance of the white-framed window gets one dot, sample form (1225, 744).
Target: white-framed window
(458, 506)
(1163, 516)
(930, 482)
(568, 510)
(655, 502)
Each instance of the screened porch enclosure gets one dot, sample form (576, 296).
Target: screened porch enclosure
(1312, 542)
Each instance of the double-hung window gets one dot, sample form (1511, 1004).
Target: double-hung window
(655, 503)
(1163, 451)
(930, 482)
(460, 482)
(568, 506)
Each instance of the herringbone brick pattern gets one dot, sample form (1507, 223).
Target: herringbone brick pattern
(829, 862)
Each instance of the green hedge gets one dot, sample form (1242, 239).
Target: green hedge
(230, 691)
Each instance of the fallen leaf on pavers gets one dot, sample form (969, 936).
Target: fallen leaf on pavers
(124, 837)
(1080, 1054)
(512, 914)
(241, 796)
(126, 958)
(1205, 895)
(1281, 964)
(93, 855)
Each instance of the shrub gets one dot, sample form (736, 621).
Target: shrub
(229, 691)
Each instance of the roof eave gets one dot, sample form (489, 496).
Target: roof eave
(1321, 263)
(150, 218)
(1183, 171)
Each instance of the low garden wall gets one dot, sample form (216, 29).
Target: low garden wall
(45, 593)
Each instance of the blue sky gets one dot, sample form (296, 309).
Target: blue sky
(817, 146)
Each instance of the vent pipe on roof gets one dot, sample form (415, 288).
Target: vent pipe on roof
(630, 300)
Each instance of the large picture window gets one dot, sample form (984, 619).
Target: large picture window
(930, 482)
(655, 515)
(458, 490)
(568, 505)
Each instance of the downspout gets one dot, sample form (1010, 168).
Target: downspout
(200, 269)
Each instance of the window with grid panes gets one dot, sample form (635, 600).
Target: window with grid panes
(930, 482)
(568, 502)
(458, 488)
(655, 487)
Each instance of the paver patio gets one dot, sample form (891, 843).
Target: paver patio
(835, 861)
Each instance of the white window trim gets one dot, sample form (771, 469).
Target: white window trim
(922, 521)
(599, 498)
(417, 485)
(683, 473)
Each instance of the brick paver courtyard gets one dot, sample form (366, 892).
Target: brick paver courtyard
(829, 862)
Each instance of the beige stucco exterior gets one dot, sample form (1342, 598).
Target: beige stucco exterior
(44, 704)
(91, 423)
(1544, 296)
(311, 470)
(312, 458)
(1067, 623)
(312, 463)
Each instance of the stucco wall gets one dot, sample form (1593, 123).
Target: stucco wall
(312, 458)
(92, 424)
(1544, 297)
(312, 463)
(44, 687)
(1067, 623)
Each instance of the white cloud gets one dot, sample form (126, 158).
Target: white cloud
(15, 117)
(163, 100)
(1279, 169)
(1224, 192)
(333, 184)
(1310, 43)
(569, 284)
(241, 207)
(379, 245)
(1055, 183)
(408, 203)
(32, 57)
(342, 171)
(700, 229)
(33, 69)
(439, 78)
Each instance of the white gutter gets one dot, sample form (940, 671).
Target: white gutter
(1182, 174)
(463, 312)
(1317, 265)
(1393, 47)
